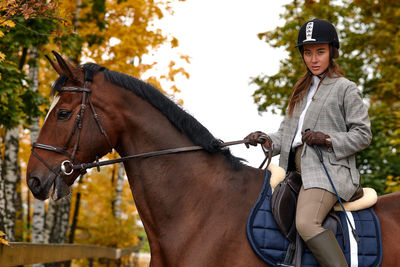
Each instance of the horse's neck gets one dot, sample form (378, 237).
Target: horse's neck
(182, 197)
(178, 192)
(163, 183)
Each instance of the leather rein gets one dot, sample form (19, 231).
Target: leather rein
(68, 166)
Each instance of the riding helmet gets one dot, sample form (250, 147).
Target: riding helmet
(317, 31)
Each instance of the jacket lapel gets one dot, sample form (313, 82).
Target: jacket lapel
(294, 122)
(317, 103)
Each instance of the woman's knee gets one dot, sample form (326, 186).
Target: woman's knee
(302, 224)
(306, 227)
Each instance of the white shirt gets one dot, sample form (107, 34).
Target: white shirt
(313, 88)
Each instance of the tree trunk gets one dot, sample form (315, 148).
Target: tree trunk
(76, 212)
(57, 219)
(119, 185)
(2, 194)
(39, 212)
(19, 212)
(38, 221)
(11, 179)
(56, 226)
(28, 216)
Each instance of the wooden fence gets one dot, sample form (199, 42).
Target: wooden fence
(19, 253)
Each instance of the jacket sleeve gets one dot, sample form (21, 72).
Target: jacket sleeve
(277, 137)
(358, 135)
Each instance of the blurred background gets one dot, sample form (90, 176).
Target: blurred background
(231, 64)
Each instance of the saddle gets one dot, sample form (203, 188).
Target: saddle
(275, 249)
(283, 206)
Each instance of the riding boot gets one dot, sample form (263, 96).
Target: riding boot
(326, 250)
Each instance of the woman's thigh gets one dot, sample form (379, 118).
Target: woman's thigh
(313, 206)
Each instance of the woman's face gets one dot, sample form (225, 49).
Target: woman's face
(316, 57)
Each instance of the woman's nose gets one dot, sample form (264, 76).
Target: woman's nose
(314, 58)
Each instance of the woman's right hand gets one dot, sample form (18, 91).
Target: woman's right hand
(258, 137)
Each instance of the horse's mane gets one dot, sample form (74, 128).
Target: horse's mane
(182, 120)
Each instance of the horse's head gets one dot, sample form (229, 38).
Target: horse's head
(73, 132)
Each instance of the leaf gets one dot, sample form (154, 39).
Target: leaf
(2, 240)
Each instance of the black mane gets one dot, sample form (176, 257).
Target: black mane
(183, 121)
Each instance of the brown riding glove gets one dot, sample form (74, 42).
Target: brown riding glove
(257, 137)
(316, 138)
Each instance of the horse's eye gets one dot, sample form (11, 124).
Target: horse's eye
(63, 114)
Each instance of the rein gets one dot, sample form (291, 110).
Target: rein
(97, 164)
(68, 166)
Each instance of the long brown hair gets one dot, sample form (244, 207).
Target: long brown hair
(300, 89)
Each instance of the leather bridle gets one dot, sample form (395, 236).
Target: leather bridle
(68, 166)
(77, 128)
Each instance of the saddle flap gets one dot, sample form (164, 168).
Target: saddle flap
(294, 181)
(284, 203)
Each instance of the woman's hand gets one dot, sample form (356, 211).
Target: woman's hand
(316, 138)
(258, 137)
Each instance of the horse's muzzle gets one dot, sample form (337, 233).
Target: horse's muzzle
(39, 190)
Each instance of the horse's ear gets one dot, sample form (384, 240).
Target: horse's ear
(55, 65)
(66, 67)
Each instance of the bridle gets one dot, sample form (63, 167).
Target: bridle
(68, 166)
(88, 79)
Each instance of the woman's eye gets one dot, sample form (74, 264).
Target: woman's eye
(63, 114)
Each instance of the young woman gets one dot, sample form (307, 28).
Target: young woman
(327, 110)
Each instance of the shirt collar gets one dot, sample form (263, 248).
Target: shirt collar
(316, 79)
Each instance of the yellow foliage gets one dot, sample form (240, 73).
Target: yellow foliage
(7, 23)
(131, 23)
(96, 222)
(2, 240)
(392, 184)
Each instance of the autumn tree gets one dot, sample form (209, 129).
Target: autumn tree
(22, 24)
(369, 55)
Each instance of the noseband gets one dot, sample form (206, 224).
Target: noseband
(76, 128)
(72, 165)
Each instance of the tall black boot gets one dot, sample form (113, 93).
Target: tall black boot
(326, 250)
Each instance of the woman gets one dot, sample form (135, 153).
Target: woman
(327, 110)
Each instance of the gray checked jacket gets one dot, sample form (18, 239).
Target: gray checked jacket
(337, 109)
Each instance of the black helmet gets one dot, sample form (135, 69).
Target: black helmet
(317, 31)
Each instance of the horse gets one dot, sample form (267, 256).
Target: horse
(194, 205)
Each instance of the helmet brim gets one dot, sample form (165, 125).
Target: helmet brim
(311, 43)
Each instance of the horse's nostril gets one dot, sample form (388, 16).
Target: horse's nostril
(34, 184)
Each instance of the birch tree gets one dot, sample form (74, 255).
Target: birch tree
(2, 193)
(11, 178)
(38, 205)
(119, 186)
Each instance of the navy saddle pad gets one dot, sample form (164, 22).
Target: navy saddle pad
(271, 246)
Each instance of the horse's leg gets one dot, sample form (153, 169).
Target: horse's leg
(388, 210)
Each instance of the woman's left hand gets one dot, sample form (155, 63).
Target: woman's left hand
(316, 138)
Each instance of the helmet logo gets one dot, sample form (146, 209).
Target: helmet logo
(309, 31)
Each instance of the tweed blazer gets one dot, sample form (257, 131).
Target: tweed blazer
(337, 109)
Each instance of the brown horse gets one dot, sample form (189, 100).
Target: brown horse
(194, 205)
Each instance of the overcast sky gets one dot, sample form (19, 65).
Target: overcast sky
(220, 36)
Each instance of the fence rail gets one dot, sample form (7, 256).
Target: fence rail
(19, 253)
